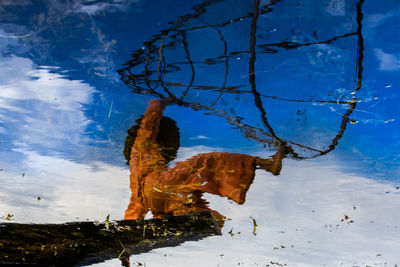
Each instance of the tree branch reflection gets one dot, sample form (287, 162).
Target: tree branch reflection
(145, 75)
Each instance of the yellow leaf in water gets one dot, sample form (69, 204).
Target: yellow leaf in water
(190, 199)
(107, 222)
(254, 226)
(157, 190)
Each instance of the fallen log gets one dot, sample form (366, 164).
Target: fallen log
(83, 243)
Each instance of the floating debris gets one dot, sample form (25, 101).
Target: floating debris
(157, 190)
(389, 120)
(276, 263)
(347, 219)
(189, 199)
(9, 217)
(231, 232)
(123, 250)
(254, 226)
(107, 222)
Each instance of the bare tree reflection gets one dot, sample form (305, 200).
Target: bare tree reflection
(161, 65)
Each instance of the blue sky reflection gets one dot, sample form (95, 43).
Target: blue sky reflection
(64, 113)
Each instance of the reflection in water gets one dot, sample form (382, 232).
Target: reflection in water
(178, 190)
(172, 66)
(84, 243)
(196, 63)
(288, 72)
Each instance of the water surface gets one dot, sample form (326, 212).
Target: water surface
(320, 77)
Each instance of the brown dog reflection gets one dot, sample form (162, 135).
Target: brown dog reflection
(178, 190)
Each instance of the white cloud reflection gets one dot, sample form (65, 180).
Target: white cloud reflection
(93, 7)
(303, 208)
(39, 106)
(387, 62)
(42, 115)
(298, 217)
(68, 190)
(374, 20)
(78, 6)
